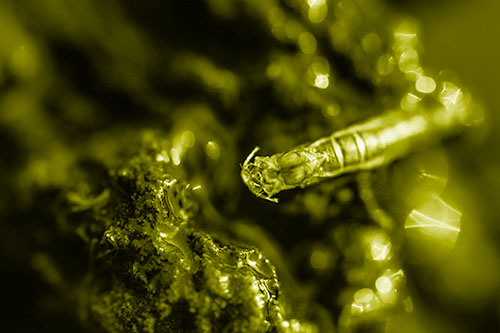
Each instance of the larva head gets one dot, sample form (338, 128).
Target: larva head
(260, 175)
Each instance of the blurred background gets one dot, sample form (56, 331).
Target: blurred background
(413, 247)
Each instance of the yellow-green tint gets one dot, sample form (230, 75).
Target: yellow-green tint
(414, 72)
(180, 145)
(346, 10)
(47, 268)
(425, 85)
(307, 42)
(165, 232)
(278, 31)
(408, 304)
(277, 21)
(409, 102)
(163, 157)
(318, 10)
(273, 70)
(276, 16)
(315, 3)
(20, 111)
(321, 81)
(224, 283)
(187, 139)
(318, 73)
(212, 150)
(345, 195)
(383, 284)
(408, 60)
(224, 8)
(319, 259)
(380, 247)
(371, 43)
(293, 29)
(364, 300)
(175, 154)
(320, 66)
(432, 228)
(295, 326)
(421, 321)
(12, 35)
(406, 33)
(471, 272)
(450, 95)
(332, 110)
(339, 36)
(24, 62)
(389, 284)
(417, 125)
(216, 79)
(260, 299)
(385, 64)
(364, 295)
(432, 225)
(432, 177)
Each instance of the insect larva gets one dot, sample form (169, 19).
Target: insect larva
(370, 144)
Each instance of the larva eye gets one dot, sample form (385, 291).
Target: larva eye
(294, 175)
(290, 159)
(292, 168)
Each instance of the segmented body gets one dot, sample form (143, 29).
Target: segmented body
(367, 145)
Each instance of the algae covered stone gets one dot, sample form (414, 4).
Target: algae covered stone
(155, 266)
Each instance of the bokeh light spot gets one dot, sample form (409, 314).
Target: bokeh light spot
(425, 85)
(321, 81)
(383, 284)
(307, 42)
(212, 150)
(319, 259)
